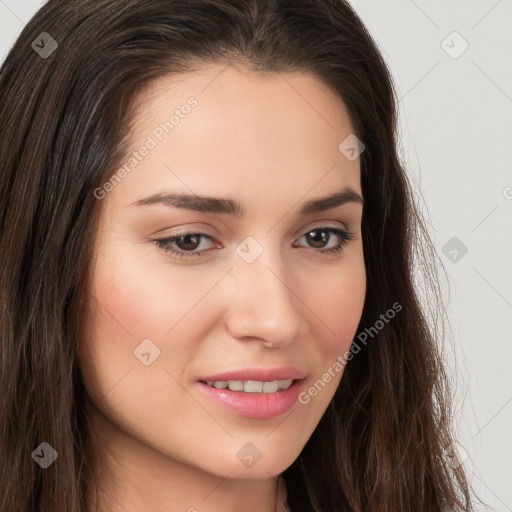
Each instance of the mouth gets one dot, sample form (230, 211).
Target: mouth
(254, 393)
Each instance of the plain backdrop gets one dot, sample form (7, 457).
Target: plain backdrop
(452, 66)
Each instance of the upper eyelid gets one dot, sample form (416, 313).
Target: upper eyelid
(207, 235)
(317, 225)
(212, 238)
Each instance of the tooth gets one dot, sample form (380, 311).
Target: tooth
(284, 384)
(253, 386)
(236, 385)
(270, 387)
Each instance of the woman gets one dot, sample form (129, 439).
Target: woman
(262, 368)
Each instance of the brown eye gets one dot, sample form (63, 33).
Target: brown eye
(187, 244)
(318, 238)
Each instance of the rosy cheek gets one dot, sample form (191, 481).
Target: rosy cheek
(336, 345)
(141, 304)
(344, 313)
(117, 305)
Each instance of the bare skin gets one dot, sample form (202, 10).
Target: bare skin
(270, 142)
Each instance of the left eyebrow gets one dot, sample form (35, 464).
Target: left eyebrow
(217, 205)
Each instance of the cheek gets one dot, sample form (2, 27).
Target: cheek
(131, 306)
(144, 301)
(131, 301)
(119, 315)
(343, 301)
(122, 302)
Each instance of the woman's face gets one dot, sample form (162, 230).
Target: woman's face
(257, 290)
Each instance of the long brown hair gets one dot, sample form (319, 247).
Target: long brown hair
(65, 116)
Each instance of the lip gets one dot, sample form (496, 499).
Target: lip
(260, 374)
(254, 405)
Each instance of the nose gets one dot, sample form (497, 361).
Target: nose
(263, 305)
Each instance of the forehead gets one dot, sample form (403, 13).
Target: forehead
(237, 97)
(246, 131)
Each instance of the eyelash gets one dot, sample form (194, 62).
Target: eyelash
(344, 235)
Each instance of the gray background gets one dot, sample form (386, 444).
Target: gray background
(456, 131)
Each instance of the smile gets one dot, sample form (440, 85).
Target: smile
(252, 386)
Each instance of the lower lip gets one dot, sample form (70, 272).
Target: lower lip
(255, 405)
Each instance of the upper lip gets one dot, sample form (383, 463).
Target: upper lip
(259, 374)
